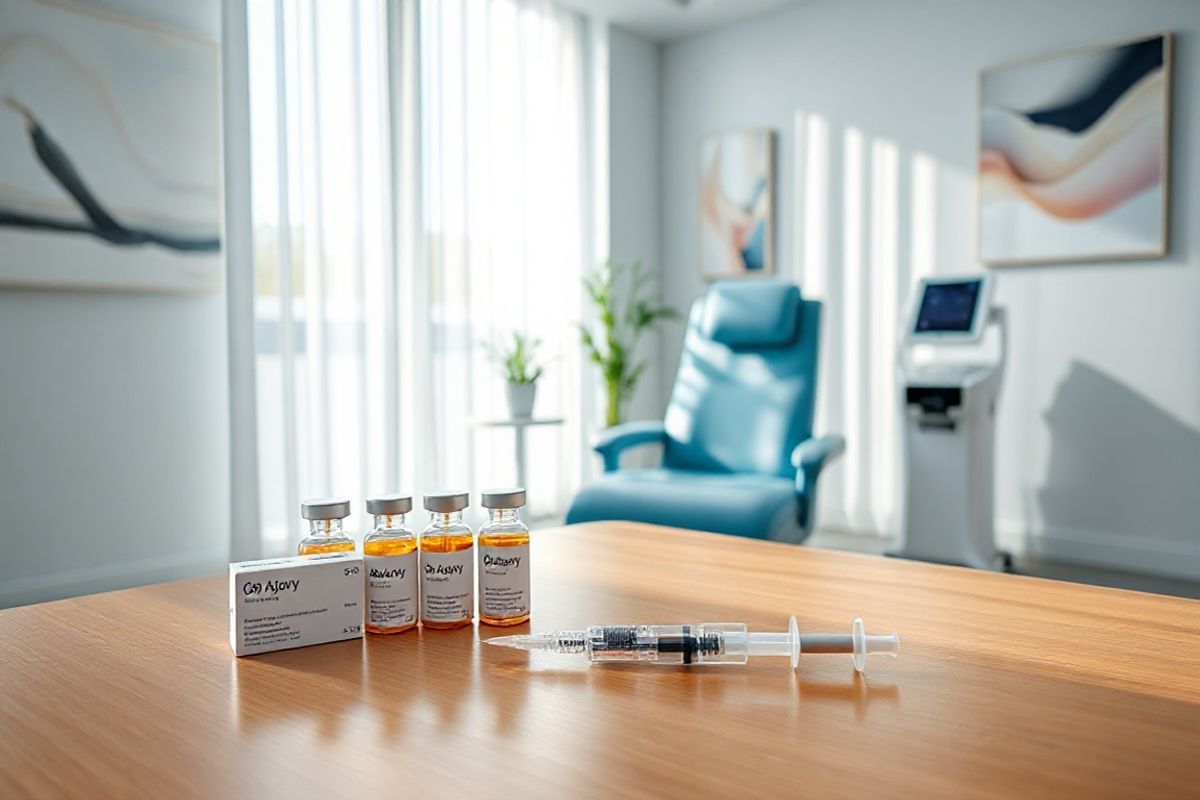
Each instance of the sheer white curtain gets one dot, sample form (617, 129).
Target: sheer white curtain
(418, 188)
(502, 116)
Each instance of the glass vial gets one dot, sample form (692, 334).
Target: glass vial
(447, 563)
(390, 558)
(325, 515)
(503, 559)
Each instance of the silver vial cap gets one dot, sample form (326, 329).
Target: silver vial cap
(389, 504)
(325, 508)
(447, 502)
(502, 498)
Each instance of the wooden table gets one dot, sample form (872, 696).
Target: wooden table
(1005, 685)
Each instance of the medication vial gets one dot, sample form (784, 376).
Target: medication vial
(325, 515)
(390, 559)
(503, 560)
(447, 563)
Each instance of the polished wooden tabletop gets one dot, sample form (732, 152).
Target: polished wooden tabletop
(1005, 685)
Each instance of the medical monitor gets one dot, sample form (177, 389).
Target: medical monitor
(950, 309)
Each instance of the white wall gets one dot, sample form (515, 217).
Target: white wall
(114, 454)
(1099, 428)
(114, 437)
(633, 133)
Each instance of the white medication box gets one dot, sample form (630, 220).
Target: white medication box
(294, 602)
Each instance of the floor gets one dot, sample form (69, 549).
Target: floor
(1078, 573)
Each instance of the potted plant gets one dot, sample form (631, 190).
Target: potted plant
(617, 290)
(517, 363)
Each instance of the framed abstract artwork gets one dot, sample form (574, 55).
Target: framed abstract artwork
(737, 189)
(1074, 155)
(110, 130)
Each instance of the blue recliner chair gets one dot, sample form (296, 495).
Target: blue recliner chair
(738, 452)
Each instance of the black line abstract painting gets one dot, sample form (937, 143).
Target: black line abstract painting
(110, 173)
(1074, 157)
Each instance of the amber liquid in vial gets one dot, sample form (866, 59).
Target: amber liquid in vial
(313, 548)
(502, 540)
(447, 543)
(390, 547)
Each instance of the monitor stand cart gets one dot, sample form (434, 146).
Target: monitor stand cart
(949, 433)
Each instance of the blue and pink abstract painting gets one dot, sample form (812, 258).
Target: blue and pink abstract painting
(1074, 156)
(736, 190)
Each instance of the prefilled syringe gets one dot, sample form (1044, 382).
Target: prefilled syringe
(707, 643)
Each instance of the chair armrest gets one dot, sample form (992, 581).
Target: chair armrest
(611, 442)
(811, 456)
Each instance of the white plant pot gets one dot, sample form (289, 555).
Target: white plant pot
(520, 399)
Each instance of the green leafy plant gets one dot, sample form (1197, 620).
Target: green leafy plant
(624, 313)
(517, 363)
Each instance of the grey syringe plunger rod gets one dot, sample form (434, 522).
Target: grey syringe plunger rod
(708, 643)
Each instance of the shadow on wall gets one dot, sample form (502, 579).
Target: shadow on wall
(1119, 464)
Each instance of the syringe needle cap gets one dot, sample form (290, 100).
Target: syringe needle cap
(504, 641)
(526, 641)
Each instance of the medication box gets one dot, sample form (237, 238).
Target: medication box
(294, 602)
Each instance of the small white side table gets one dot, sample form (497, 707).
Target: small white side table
(519, 426)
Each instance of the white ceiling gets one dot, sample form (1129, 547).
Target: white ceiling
(664, 20)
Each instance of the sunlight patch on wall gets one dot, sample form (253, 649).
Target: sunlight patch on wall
(853, 366)
(883, 325)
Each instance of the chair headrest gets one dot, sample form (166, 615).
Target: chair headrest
(751, 313)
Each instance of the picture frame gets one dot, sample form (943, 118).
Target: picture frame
(1074, 155)
(736, 208)
(110, 118)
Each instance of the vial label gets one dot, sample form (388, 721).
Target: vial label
(448, 585)
(504, 581)
(391, 590)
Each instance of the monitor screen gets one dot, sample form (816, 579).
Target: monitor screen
(948, 307)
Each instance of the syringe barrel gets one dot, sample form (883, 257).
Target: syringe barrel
(710, 643)
(733, 640)
(769, 644)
